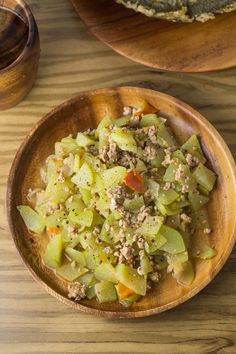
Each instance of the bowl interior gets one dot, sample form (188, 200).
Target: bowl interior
(85, 111)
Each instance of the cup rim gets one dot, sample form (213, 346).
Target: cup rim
(31, 31)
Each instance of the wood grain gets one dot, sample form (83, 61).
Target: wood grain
(31, 321)
(18, 74)
(185, 47)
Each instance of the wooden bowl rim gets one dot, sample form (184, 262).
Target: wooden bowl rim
(32, 30)
(117, 314)
(146, 62)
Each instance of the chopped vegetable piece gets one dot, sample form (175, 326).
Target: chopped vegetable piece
(83, 218)
(76, 256)
(32, 219)
(149, 120)
(151, 225)
(105, 291)
(134, 204)
(205, 177)
(184, 274)
(168, 197)
(135, 181)
(85, 177)
(104, 123)
(69, 273)
(113, 176)
(53, 253)
(106, 271)
(175, 243)
(197, 200)
(193, 147)
(84, 140)
(123, 292)
(131, 279)
(120, 122)
(145, 108)
(124, 140)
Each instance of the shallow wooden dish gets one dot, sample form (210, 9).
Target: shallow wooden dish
(85, 111)
(191, 47)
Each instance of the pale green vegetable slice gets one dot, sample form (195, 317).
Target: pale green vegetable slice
(87, 279)
(167, 197)
(91, 259)
(97, 218)
(105, 291)
(184, 273)
(145, 265)
(179, 155)
(32, 219)
(193, 147)
(155, 243)
(76, 256)
(104, 234)
(160, 156)
(131, 279)
(92, 161)
(103, 204)
(86, 195)
(106, 272)
(56, 219)
(113, 176)
(77, 203)
(53, 254)
(58, 192)
(165, 137)
(124, 140)
(70, 273)
(150, 226)
(204, 176)
(85, 177)
(84, 140)
(134, 204)
(153, 187)
(148, 120)
(90, 292)
(103, 138)
(83, 218)
(77, 163)
(175, 243)
(65, 146)
(140, 166)
(121, 122)
(104, 123)
(197, 201)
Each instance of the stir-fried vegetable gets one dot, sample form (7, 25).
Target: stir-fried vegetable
(121, 204)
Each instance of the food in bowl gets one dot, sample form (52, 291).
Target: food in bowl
(122, 205)
(181, 10)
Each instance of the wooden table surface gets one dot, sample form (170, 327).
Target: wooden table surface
(31, 321)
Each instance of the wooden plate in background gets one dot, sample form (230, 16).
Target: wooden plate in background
(83, 112)
(194, 47)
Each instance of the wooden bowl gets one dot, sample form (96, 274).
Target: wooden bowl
(83, 112)
(19, 53)
(183, 47)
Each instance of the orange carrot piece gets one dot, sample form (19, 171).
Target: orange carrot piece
(124, 292)
(51, 231)
(146, 108)
(135, 181)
